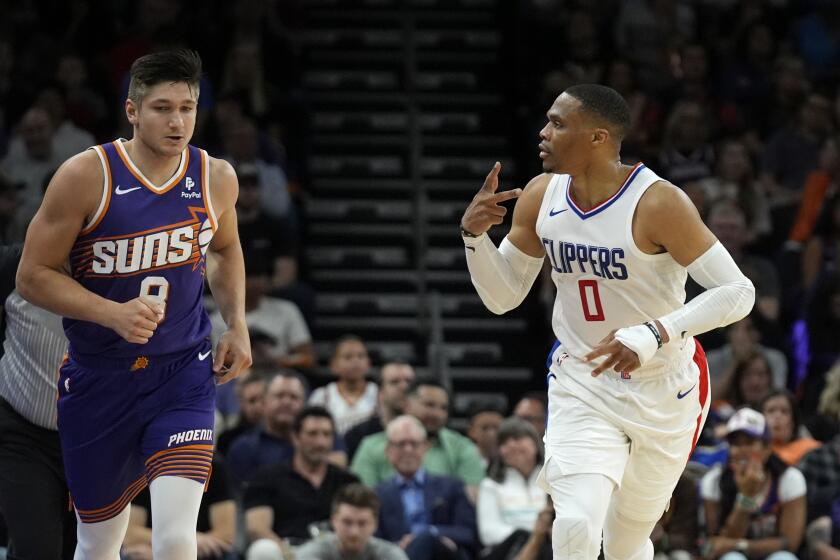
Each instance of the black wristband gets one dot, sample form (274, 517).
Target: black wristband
(465, 233)
(655, 332)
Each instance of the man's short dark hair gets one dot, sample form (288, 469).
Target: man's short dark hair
(290, 374)
(605, 104)
(539, 396)
(311, 412)
(414, 388)
(343, 339)
(357, 495)
(481, 406)
(170, 66)
(255, 375)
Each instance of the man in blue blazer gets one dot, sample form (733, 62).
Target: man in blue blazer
(429, 516)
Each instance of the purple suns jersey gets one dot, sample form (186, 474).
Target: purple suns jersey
(146, 240)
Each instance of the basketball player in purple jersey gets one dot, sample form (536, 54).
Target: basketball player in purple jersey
(140, 223)
(628, 384)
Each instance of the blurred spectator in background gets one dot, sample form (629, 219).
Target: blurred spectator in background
(244, 77)
(646, 32)
(745, 81)
(821, 468)
(216, 526)
(429, 515)
(729, 224)
(279, 334)
(83, 104)
(449, 453)
(272, 240)
(789, 438)
(735, 180)
(790, 155)
(250, 393)
(7, 61)
(485, 418)
(821, 257)
(749, 384)
(355, 518)
(12, 223)
(820, 349)
(37, 161)
(755, 506)
(271, 442)
(241, 144)
(509, 498)
(540, 534)
(825, 424)
(646, 113)
(352, 399)
(790, 88)
(394, 380)
(686, 153)
(744, 339)
(282, 501)
(820, 187)
(533, 408)
(816, 37)
(676, 533)
(67, 139)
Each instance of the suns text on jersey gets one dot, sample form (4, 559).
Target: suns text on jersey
(576, 258)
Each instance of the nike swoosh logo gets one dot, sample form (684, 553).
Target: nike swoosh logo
(202, 356)
(468, 248)
(553, 213)
(682, 395)
(120, 190)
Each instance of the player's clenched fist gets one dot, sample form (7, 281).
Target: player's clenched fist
(484, 211)
(136, 319)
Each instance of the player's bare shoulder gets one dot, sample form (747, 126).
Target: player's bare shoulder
(664, 201)
(533, 194)
(78, 185)
(666, 219)
(223, 184)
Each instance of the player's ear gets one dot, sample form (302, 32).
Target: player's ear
(131, 112)
(600, 135)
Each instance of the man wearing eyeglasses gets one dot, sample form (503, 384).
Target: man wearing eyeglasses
(429, 516)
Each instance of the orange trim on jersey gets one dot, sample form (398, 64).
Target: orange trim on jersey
(205, 192)
(108, 184)
(185, 155)
(114, 508)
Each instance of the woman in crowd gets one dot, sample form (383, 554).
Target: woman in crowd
(352, 399)
(509, 500)
(789, 439)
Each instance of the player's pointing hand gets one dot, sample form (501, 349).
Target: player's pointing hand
(485, 211)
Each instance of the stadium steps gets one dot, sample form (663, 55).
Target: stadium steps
(408, 117)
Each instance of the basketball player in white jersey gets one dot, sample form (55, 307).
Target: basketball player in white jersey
(628, 384)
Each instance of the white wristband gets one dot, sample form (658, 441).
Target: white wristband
(640, 340)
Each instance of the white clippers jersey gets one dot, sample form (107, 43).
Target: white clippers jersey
(604, 281)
